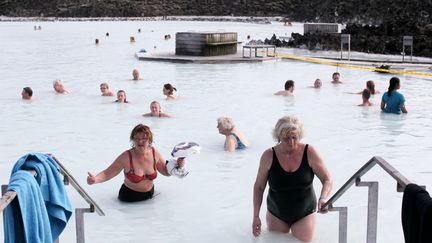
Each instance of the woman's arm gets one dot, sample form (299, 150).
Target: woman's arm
(322, 173)
(382, 105)
(110, 172)
(403, 109)
(161, 163)
(230, 143)
(258, 189)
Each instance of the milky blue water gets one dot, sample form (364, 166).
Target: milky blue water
(214, 202)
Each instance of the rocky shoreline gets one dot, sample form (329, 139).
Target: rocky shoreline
(244, 19)
(364, 38)
(375, 26)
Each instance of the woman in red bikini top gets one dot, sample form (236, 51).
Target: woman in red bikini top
(137, 178)
(140, 165)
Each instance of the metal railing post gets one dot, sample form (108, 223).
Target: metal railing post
(372, 216)
(343, 223)
(79, 218)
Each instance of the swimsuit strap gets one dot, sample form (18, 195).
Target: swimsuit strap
(130, 162)
(305, 160)
(274, 153)
(236, 138)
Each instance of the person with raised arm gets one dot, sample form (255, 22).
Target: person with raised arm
(140, 166)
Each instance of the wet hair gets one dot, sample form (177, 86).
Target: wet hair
(104, 84)
(335, 73)
(370, 85)
(124, 92)
(286, 125)
(393, 84)
(144, 129)
(56, 82)
(170, 88)
(155, 102)
(366, 94)
(226, 123)
(317, 81)
(289, 84)
(28, 90)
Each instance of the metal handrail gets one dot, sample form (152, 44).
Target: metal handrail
(9, 196)
(401, 180)
(68, 178)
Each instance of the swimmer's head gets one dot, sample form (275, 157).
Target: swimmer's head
(168, 89)
(317, 83)
(142, 131)
(289, 85)
(121, 96)
(58, 86)
(136, 74)
(27, 93)
(225, 125)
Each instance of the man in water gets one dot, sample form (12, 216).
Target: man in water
(136, 75)
(336, 78)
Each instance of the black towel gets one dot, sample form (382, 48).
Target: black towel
(417, 215)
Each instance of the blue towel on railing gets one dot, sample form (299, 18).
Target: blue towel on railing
(52, 188)
(26, 219)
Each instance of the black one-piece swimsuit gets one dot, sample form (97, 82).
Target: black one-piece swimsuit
(291, 195)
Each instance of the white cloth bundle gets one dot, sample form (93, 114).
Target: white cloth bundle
(181, 150)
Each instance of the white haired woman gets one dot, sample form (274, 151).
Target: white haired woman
(234, 138)
(289, 168)
(58, 87)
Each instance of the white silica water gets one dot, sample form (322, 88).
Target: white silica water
(86, 132)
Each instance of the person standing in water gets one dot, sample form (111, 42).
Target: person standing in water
(392, 101)
(289, 168)
(140, 166)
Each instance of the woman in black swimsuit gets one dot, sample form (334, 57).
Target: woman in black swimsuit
(289, 168)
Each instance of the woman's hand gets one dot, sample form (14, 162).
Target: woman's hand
(321, 202)
(256, 226)
(91, 179)
(181, 162)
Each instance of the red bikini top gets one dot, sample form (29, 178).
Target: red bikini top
(136, 178)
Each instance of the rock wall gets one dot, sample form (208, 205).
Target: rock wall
(348, 11)
(375, 25)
